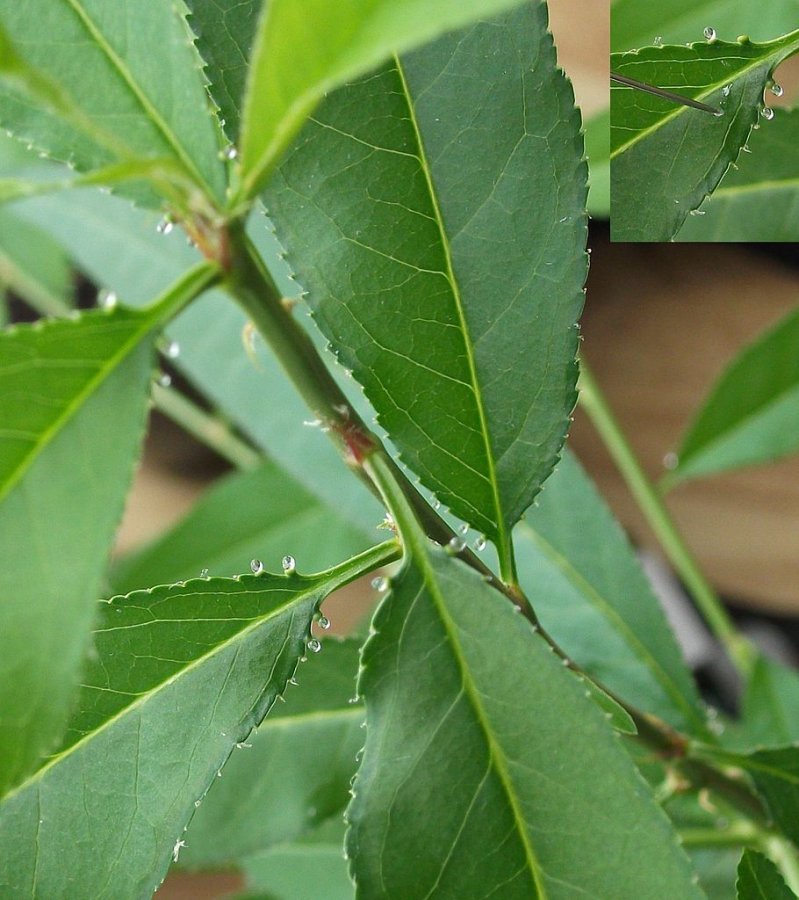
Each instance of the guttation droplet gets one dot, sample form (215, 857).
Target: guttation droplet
(658, 42)
(172, 350)
(107, 300)
(165, 380)
(776, 89)
(456, 544)
(324, 623)
(204, 573)
(725, 91)
(671, 461)
(229, 153)
(256, 566)
(289, 564)
(768, 113)
(380, 584)
(314, 645)
(463, 528)
(480, 543)
(697, 212)
(710, 33)
(165, 226)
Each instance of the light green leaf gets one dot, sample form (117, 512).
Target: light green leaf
(178, 676)
(665, 157)
(588, 589)
(597, 149)
(313, 867)
(435, 213)
(760, 200)
(74, 403)
(305, 48)
(716, 870)
(483, 757)
(637, 23)
(759, 879)
(263, 514)
(752, 413)
(33, 265)
(128, 75)
(770, 708)
(296, 774)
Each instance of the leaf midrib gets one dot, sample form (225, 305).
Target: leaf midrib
(503, 544)
(784, 46)
(574, 577)
(142, 99)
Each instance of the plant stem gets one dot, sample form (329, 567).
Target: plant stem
(738, 834)
(659, 519)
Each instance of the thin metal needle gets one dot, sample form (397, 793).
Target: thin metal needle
(667, 95)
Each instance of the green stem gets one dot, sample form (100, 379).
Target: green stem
(651, 504)
(362, 564)
(737, 834)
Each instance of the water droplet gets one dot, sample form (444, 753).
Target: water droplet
(353, 699)
(710, 33)
(480, 543)
(172, 350)
(776, 89)
(436, 504)
(768, 113)
(463, 528)
(314, 645)
(176, 849)
(658, 42)
(243, 745)
(204, 573)
(229, 153)
(289, 564)
(380, 584)
(256, 566)
(718, 113)
(746, 149)
(725, 91)
(165, 226)
(107, 300)
(165, 380)
(456, 545)
(312, 423)
(324, 623)
(671, 461)
(197, 804)
(697, 212)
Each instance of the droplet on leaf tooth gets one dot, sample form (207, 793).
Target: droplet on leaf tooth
(289, 564)
(776, 89)
(710, 33)
(380, 584)
(768, 113)
(256, 566)
(314, 645)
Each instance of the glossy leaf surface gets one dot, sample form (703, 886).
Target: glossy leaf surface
(752, 413)
(130, 78)
(758, 201)
(261, 514)
(178, 677)
(485, 773)
(305, 48)
(587, 587)
(74, 401)
(295, 775)
(759, 879)
(665, 157)
(435, 213)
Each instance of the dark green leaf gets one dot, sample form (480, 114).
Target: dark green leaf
(263, 513)
(665, 158)
(758, 200)
(435, 212)
(752, 413)
(590, 593)
(305, 48)
(487, 765)
(74, 402)
(759, 879)
(770, 714)
(126, 83)
(296, 774)
(178, 676)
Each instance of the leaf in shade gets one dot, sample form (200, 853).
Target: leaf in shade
(759, 879)
(435, 213)
(760, 200)
(752, 413)
(597, 149)
(486, 774)
(305, 48)
(666, 158)
(263, 513)
(770, 708)
(296, 774)
(122, 82)
(178, 676)
(587, 587)
(73, 412)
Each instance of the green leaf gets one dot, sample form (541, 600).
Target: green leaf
(33, 265)
(665, 157)
(435, 213)
(296, 774)
(637, 23)
(305, 48)
(126, 79)
(770, 708)
(597, 149)
(313, 867)
(74, 404)
(716, 870)
(759, 879)
(487, 778)
(587, 587)
(263, 513)
(178, 676)
(752, 413)
(760, 200)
